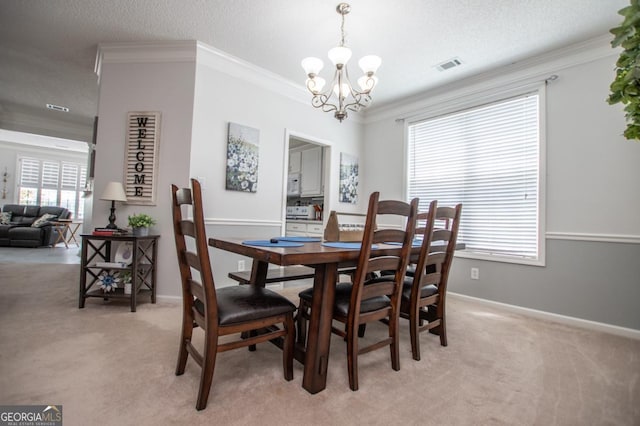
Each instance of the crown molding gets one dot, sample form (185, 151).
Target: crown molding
(145, 52)
(534, 68)
(235, 67)
(200, 53)
(203, 54)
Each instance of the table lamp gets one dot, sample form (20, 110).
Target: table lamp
(113, 192)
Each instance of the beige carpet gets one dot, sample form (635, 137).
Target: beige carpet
(109, 366)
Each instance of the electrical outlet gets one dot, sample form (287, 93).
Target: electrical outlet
(475, 273)
(241, 265)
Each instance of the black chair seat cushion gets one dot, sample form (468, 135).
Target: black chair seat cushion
(243, 303)
(426, 291)
(343, 296)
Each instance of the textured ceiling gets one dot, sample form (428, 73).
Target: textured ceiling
(48, 47)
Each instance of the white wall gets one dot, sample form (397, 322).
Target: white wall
(592, 170)
(223, 97)
(152, 79)
(592, 196)
(228, 91)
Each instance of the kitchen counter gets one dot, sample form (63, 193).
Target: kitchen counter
(303, 221)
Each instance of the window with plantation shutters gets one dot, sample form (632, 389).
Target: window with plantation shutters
(487, 158)
(30, 172)
(50, 174)
(28, 187)
(52, 183)
(70, 176)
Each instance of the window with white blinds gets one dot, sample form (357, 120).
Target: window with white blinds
(488, 159)
(52, 183)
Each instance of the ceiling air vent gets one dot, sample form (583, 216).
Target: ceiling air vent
(447, 65)
(57, 108)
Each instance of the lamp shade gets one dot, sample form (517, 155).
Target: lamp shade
(370, 64)
(340, 55)
(312, 66)
(114, 191)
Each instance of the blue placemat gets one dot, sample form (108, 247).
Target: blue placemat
(338, 244)
(416, 243)
(300, 239)
(267, 243)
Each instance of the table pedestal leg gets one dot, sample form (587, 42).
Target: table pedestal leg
(319, 334)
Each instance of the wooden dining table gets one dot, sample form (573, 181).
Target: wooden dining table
(325, 261)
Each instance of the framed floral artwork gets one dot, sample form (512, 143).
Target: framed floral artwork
(348, 178)
(242, 158)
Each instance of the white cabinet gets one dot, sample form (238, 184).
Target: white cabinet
(295, 161)
(296, 229)
(315, 230)
(301, 229)
(311, 172)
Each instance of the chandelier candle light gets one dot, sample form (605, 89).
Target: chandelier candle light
(346, 97)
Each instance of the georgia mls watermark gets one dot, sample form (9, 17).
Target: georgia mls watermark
(30, 415)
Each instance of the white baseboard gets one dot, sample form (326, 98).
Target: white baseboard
(562, 319)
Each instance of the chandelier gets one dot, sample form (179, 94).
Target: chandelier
(340, 95)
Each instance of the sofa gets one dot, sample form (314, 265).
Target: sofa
(29, 226)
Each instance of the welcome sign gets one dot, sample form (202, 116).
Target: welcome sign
(141, 157)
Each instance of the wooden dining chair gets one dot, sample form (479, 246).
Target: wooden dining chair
(357, 304)
(425, 289)
(219, 312)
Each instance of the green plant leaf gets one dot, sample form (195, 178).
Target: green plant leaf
(625, 87)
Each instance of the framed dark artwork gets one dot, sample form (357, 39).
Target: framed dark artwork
(242, 158)
(348, 179)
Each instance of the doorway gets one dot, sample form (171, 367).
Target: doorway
(307, 184)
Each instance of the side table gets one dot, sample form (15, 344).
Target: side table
(67, 230)
(97, 260)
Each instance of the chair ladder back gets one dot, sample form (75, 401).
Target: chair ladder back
(376, 307)
(452, 216)
(367, 240)
(374, 235)
(188, 228)
(180, 197)
(244, 309)
(201, 288)
(425, 306)
(426, 231)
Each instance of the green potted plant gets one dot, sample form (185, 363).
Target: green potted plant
(625, 88)
(126, 280)
(140, 224)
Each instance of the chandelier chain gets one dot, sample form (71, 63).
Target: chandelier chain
(342, 31)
